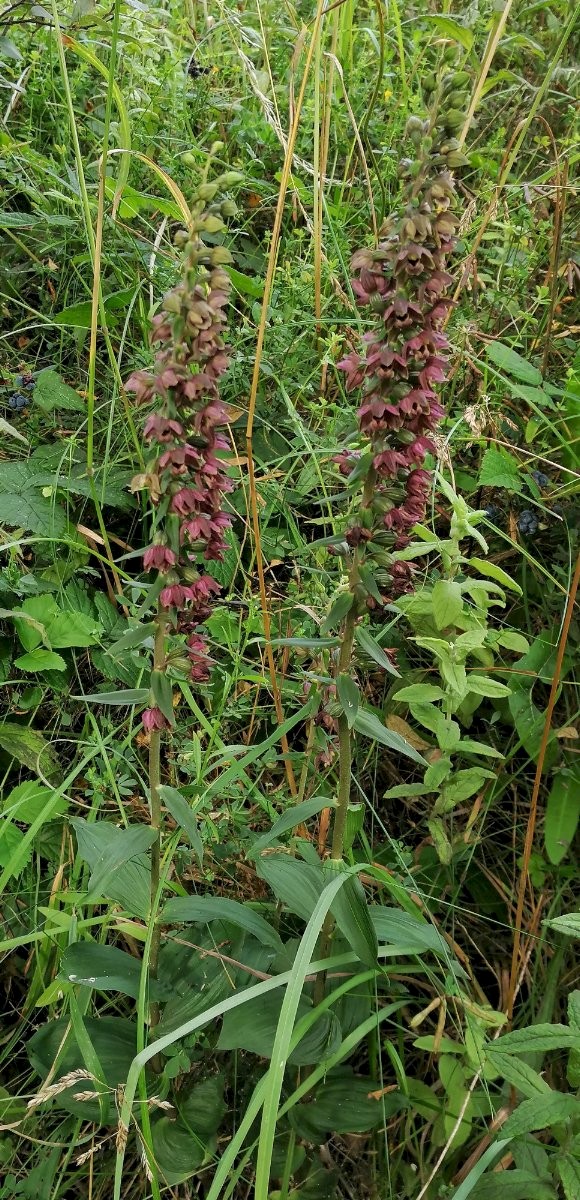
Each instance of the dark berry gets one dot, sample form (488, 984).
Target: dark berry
(18, 401)
(541, 479)
(527, 522)
(492, 513)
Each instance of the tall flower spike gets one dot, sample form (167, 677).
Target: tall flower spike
(404, 283)
(184, 431)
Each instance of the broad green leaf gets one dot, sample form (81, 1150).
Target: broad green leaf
(28, 800)
(348, 697)
(182, 1145)
(131, 842)
(30, 621)
(449, 28)
(467, 746)
(199, 910)
(40, 660)
(436, 772)
(461, 786)
(105, 968)
(351, 913)
(124, 698)
(528, 719)
(11, 838)
(499, 469)
(253, 1027)
(130, 884)
(32, 512)
(512, 640)
(562, 815)
(541, 1112)
(568, 1169)
(370, 726)
(484, 685)
(375, 651)
(344, 1103)
(518, 1073)
(247, 285)
(420, 693)
(295, 815)
(73, 629)
(181, 812)
(297, 884)
(568, 923)
(115, 1042)
(447, 602)
(536, 1038)
(79, 315)
(29, 748)
(409, 934)
(512, 363)
(51, 392)
(512, 1185)
(494, 572)
(133, 637)
(402, 790)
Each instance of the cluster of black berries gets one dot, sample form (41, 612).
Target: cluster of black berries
(20, 398)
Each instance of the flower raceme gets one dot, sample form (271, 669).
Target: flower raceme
(184, 434)
(404, 284)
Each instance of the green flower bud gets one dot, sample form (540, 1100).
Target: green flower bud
(229, 178)
(206, 191)
(457, 159)
(228, 208)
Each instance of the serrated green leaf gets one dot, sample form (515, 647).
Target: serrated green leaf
(28, 800)
(537, 1037)
(514, 1185)
(51, 392)
(541, 1112)
(181, 812)
(73, 630)
(568, 924)
(33, 513)
(519, 1074)
(499, 469)
(40, 660)
(11, 838)
(369, 725)
(29, 747)
(199, 910)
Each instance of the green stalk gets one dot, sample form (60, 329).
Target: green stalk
(159, 664)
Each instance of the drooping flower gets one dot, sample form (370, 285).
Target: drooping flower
(403, 283)
(185, 431)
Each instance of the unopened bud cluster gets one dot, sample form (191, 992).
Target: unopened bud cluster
(404, 283)
(184, 432)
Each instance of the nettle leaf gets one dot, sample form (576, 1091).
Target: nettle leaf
(520, 1075)
(40, 660)
(73, 630)
(28, 800)
(562, 815)
(568, 923)
(33, 513)
(199, 910)
(541, 1112)
(29, 748)
(515, 1185)
(568, 1169)
(512, 363)
(31, 619)
(499, 469)
(537, 1037)
(348, 697)
(447, 603)
(52, 392)
(11, 838)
